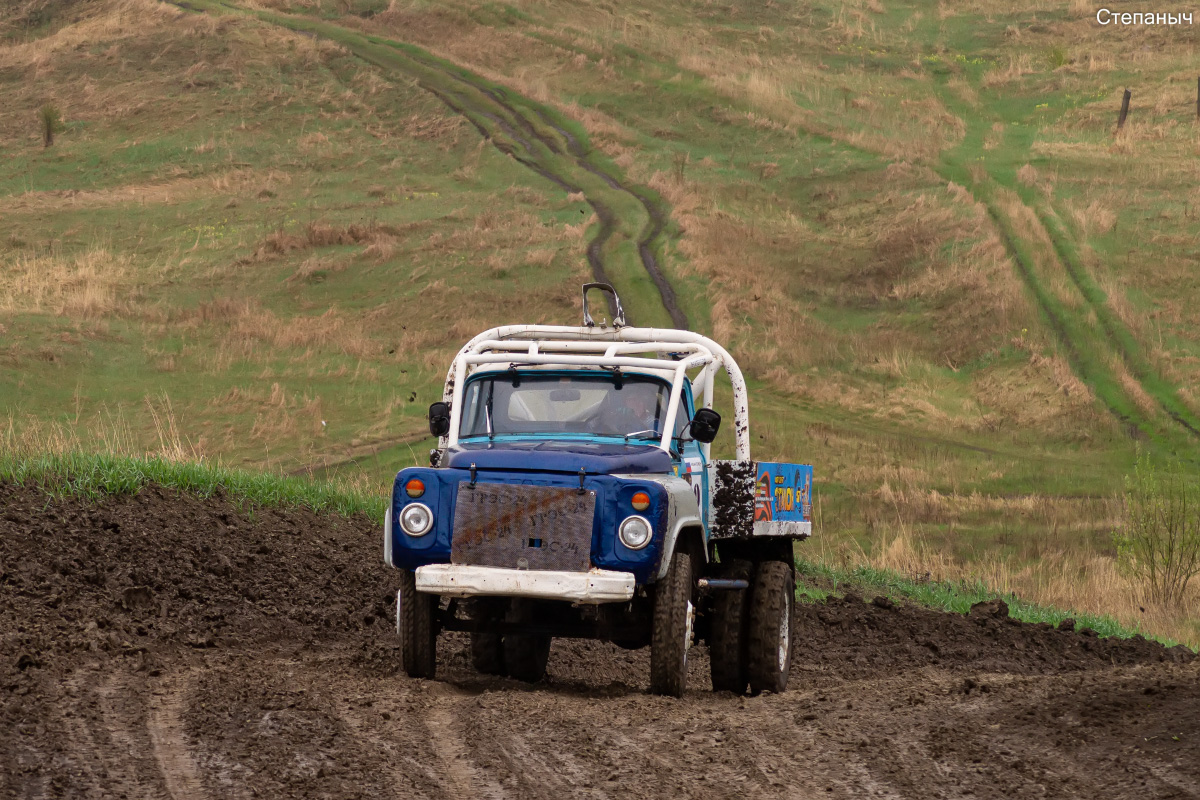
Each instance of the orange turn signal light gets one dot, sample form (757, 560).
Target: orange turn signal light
(641, 501)
(415, 487)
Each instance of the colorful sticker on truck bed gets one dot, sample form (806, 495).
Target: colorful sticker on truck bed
(783, 493)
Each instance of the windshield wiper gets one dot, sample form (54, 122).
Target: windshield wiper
(638, 434)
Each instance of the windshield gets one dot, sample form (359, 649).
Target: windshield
(530, 403)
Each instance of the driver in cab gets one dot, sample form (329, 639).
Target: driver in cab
(634, 409)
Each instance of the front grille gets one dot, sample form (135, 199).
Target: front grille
(523, 527)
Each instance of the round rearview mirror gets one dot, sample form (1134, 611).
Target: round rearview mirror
(705, 425)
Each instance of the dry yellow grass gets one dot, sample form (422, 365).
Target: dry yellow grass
(106, 431)
(111, 22)
(93, 283)
(167, 192)
(1028, 175)
(1096, 218)
(380, 240)
(1018, 66)
(281, 417)
(314, 266)
(1083, 580)
(329, 332)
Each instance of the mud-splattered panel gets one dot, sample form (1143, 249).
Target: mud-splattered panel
(732, 511)
(523, 527)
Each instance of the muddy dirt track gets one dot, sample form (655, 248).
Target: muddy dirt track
(164, 646)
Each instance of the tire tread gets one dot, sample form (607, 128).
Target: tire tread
(418, 635)
(668, 650)
(774, 582)
(727, 638)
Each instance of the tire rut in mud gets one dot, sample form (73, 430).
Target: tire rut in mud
(513, 127)
(657, 213)
(165, 645)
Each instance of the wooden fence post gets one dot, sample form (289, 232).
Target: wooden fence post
(1197, 98)
(1124, 109)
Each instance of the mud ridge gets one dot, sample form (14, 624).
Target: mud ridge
(168, 740)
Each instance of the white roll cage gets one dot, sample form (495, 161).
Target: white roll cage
(626, 348)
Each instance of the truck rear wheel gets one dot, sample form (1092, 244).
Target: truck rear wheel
(525, 654)
(674, 615)
(487, 649)
(487, 653)
(769, 629)
(727, 639)
(416, 626)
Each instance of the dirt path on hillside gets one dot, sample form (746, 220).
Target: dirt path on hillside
(530, 133)
(1100, 348)
(532, 119)
(172, 647)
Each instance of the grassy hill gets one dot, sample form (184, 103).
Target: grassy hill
(266, 227)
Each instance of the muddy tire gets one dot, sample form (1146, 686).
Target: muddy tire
(769, 628)
(487, 653)
(417, 629)
(487, 649)
(727, 639)
(671, 636)
(525, 654)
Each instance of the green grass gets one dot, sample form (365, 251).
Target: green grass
(93, 475)
(813, 578)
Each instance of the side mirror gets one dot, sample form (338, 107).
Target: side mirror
(439, 419)
(705, 424)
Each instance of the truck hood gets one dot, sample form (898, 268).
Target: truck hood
(560, 456)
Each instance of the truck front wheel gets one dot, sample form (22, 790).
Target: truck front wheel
(674, 615)
(416, 626)
(769, 630)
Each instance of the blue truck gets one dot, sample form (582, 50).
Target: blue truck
(573, 494)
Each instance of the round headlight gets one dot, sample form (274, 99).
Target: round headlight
(635, 532)
(416, 519)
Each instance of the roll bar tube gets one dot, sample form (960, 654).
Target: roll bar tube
(653, 339)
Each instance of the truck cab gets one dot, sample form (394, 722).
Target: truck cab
(573, 493)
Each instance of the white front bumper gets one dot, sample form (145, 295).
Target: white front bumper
(460, 580)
